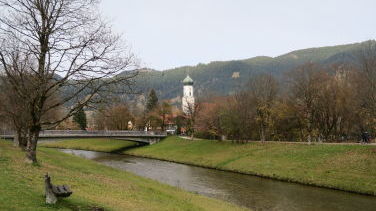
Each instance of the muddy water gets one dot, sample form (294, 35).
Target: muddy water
(248, 191)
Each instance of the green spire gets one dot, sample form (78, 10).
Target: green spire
(188, 81)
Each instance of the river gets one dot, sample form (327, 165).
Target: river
(248, 191)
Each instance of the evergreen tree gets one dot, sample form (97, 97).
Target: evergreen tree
(152, 101)
(80, 119)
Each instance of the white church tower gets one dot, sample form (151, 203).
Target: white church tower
(188, 99)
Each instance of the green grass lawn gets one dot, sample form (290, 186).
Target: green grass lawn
(92, 144)
(94, 185)
(345, 167)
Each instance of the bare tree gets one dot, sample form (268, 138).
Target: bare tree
(193, 109)
(240, 115)
(304, 85)
(13, 111)
(366, 85)
(332, 102)
(263, 93)
(164, 112)
(71, 53)
(209, 118)
(115, 117)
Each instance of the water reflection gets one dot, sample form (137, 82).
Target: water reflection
(249, 191)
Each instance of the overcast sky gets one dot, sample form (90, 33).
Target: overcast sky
(171, 33)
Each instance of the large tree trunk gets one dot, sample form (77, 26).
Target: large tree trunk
(31, 149)
(23, 140)
(20, 139)
(262, 133)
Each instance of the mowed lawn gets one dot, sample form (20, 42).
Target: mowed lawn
(344, 167)
(94, 185)
(92, 144)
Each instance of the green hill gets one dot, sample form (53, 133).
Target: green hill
(224, 77)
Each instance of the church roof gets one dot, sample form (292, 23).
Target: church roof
(188, 81)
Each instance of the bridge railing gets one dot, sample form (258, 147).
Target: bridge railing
(96, 132)
(6, 132)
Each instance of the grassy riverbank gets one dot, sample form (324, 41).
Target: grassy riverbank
(92, 144)
(94, 185)
(344, 167)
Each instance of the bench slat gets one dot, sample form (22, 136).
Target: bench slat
(54, 189)
(67, 189)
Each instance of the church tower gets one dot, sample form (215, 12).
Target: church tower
(188, 99)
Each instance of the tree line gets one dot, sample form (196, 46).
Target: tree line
(317, 103)
(154, 115)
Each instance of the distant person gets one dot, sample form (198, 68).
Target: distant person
(365, 137)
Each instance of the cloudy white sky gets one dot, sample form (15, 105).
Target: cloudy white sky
(171, 33)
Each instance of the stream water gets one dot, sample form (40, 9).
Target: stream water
(248, 191)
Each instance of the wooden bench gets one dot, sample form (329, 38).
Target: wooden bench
(55, 191)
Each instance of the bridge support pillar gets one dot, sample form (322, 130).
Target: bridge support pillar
(153, 140)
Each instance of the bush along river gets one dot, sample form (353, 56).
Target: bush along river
(249, 191)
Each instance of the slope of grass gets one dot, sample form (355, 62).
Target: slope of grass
(344, 167)
(94, 185)
(93, 144)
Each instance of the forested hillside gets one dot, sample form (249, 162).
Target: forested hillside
(224, 77)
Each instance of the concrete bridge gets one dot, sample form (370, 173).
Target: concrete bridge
(147, 137)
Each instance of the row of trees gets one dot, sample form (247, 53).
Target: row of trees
(317, 103)
(114, 117)
(122, 116)
(157, 114)
(119, 115)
